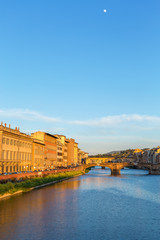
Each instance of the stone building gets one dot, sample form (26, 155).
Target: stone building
(64, 143)
(82, 156)
(138, 155)
(75, 154)
(59, 154)
(50, 149)
(70, 156)
(38, 155)
(15, 150)
(155, 158)
(65, 153)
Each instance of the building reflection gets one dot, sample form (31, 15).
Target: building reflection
(36, 206)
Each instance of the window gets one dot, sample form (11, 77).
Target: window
(15, 142)
(7, 153)
(3, 140)
(3, 155)
(7, 141)
(11, 155)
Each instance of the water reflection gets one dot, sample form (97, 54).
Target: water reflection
(93, 206)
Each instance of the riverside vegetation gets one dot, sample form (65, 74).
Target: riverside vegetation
(27, 185)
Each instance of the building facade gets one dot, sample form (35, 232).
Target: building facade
(64, 143)
(39, 151)
(70, 156)
(59, 154)
(15, 150)
(75, 153)
(50, 150)
(38, 155)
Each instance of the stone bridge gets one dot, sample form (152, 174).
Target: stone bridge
(114, 167)
(154, 169)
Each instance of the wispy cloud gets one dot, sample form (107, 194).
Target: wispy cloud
(26, 115)
(117, 119)
(146, 121)
(94, 135)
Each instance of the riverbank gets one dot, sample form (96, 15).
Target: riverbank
(9, 189)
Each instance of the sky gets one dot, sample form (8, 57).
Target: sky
(69, 67)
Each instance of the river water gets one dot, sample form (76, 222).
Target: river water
(94, 206)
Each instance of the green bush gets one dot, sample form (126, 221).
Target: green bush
(27, 184)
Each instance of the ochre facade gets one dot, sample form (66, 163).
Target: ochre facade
(50, 150)
(70, 157)
(15, 150)
(39, 151)
(38, 155)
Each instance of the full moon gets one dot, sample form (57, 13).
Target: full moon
(104, 10)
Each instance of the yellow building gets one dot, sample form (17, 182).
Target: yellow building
(65, 154)
(50, 151)
(80, 154)
(64, 144)
(38, 155)
(98, 160)
(40, 151)
(15, 150)
(59, 153)
(82, 157)
(75, 153)
(70, 156)
(138, 150)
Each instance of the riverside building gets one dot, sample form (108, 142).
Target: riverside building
(64, 144)
(75, 153)
(59, 154)
(39, 151)
(15, 150)
(70, 157)
(50, 149)
(38, 155)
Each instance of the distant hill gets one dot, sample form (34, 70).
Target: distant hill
(116, 154)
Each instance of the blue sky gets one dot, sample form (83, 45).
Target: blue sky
(67, 67)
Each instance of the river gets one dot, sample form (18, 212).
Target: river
(94, 206)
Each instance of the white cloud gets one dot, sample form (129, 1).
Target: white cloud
(145, 121)
(26, 115)
(97, 135)
(117, 119)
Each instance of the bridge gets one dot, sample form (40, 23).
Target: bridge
(114, 167)
(99, 159)
(154, 169)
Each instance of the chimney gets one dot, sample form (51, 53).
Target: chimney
(1, 123)
(9, 125)
(5, 124)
